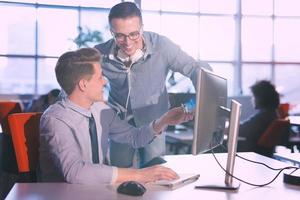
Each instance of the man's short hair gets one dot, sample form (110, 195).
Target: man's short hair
(124, 10)
(72, 66)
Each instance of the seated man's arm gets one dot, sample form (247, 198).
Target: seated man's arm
(64, 155)
(121, 131)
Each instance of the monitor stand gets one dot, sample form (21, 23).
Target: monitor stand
(233, 186)
(229, 183)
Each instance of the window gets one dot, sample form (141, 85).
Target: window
(13, 38)
(257, 39)
(180, 6)
(289, 84)
(186, 35)
(96, 20)
(46, 79)
(218, 6)
(216, 38)
(250, 7)
(56, 29)
(32, 40)
(14, 82)
(252, 73)
(286, 41)
(208, 30)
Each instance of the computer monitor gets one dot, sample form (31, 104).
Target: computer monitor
(211, 115)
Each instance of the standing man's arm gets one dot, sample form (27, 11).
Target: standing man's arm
(180, 61)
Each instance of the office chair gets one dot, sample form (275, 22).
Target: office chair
(8, 159)
(25, 136)
(6, 108)
(283, 110)
(277, 133)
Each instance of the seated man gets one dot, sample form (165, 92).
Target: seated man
(75, 132)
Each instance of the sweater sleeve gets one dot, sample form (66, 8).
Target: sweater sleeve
(122, 132)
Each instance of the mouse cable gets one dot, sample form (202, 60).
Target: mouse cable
(260, 163)
(246, 182)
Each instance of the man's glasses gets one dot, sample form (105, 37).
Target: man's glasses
(120, 37)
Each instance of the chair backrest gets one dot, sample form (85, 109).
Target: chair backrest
(283, 110)
(25, 135)
(276, 133)
(6, 108)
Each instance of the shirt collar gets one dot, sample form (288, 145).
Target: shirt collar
(83, 111)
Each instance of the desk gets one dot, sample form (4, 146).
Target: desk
(294, 120)
(295, 126)
(203, 164)
(291, 157)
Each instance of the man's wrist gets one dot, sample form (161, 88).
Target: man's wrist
(159, 125)
(125, 174)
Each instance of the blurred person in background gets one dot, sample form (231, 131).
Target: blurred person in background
(43, 102)
(266, 101)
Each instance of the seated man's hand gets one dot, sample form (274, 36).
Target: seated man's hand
(155, 173)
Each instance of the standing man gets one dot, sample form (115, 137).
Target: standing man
(136, 63)
(75, 131)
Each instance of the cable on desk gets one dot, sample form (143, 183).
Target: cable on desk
(260, 163)
(246, 182)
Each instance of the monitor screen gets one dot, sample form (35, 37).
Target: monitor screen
(209, 125)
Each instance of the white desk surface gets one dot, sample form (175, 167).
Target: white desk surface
(294, 120)
(291, 157)
(203, 164)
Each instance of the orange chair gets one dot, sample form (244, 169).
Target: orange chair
(25, 136)
(6, 108)
(8, 159)
(283, 110)
(277, 133)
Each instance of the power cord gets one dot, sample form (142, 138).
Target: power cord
(260, 163)
(254, 184)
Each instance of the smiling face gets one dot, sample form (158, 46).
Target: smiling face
(128, 34)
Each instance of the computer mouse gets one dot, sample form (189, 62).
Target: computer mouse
(132, 188)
